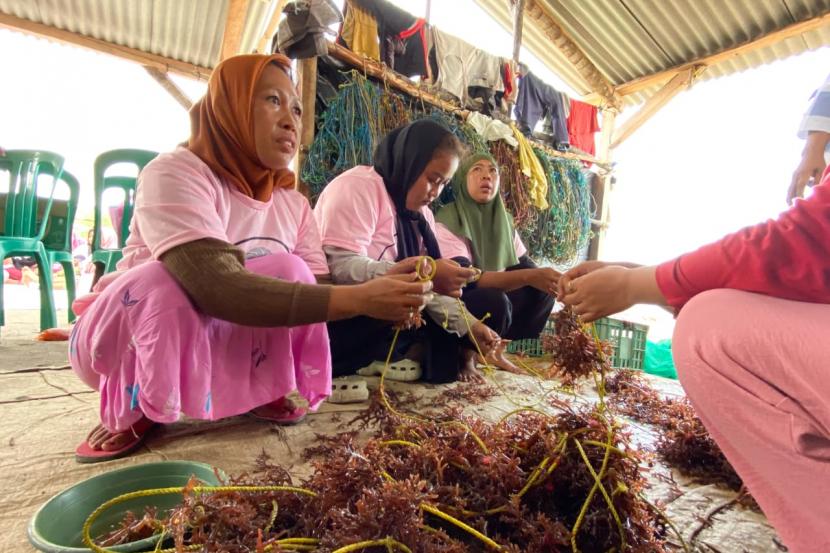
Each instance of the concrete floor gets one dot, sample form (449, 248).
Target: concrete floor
(46, 411)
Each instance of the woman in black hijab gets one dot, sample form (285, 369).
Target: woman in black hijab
(376, 221)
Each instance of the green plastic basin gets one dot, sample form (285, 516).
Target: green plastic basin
(56, 526)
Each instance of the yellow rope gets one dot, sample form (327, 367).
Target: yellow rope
(386, 542)
(165, 491)
(452, 520)
(597, 485)
(399, 442)
(309, 544)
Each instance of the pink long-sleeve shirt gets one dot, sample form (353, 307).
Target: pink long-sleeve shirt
(787, 257)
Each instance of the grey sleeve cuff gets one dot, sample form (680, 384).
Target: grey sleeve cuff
(444, 309)
(347, 267)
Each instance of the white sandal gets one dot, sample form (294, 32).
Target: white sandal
(405, 370)
(348, 390)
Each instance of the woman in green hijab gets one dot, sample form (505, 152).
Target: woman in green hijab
(477, 230)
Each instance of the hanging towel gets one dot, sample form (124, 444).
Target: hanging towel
(582, 124)
(359, 32)
(532, 168)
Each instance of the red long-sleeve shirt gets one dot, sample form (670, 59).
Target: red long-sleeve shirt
(788, 257)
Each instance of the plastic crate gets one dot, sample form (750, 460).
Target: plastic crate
(627, 339)
(532, 347)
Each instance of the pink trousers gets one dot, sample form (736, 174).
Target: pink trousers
(146, 348)
(757, 370)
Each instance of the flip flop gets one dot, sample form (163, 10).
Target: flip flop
(288, 418)
(405, 370)
(348, 390)
(84, 453)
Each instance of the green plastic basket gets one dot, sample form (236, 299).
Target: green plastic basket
(627, 339)
(532, 347)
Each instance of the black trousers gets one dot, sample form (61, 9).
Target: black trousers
(515, 315)
(358, 341)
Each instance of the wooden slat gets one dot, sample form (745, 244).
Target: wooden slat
(679, 83)
(307, 69)
(636, 85)
(234, 25)
(518, 25)
(164, 80)
(124, 52)
(264, 45)
(601, 186)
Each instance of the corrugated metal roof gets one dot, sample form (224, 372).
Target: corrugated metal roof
(627, 39)
(184, 30)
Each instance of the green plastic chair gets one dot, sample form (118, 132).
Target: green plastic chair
(105, 260)
(22, 235)
(58, 236)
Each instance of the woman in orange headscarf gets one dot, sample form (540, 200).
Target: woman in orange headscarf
(216, 308)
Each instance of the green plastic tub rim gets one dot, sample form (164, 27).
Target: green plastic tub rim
(56, 526)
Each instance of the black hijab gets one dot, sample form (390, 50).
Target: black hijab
(400, 158)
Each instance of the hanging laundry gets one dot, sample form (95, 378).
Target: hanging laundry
(509, 79)
(566, 104)
(532, 168)
(359, 32)
(402, 37)
(461, 65)
(582, 124)
(491, 129)
(537, 99)
(302, 32)
(413, 59)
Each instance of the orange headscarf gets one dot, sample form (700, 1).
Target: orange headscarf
(222, 127)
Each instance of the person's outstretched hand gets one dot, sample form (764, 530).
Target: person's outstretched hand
(390, 298)
(450, 277)
(811, 167)
(611, 289)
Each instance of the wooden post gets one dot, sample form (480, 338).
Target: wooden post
(163, 79)
(518, 23)
(307, 69)
(601, 184)
(234, 25)
(264, 44)
(655, 103)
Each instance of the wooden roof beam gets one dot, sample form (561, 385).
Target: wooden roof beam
(172, 88)
(680, 82)
(234, 25)
(124, 52)
(264, 45)
(539, 13)
(796, 29)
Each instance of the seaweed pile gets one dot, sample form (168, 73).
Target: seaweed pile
(684, 442)
(576, 353)
(451, 483)
(530, 483)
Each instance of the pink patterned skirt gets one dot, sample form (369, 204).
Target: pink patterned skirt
(147, 349)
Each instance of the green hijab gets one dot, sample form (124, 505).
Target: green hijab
(488, 227)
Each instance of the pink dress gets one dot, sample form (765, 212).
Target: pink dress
(141, 342)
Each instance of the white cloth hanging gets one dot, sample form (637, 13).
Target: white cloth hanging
(491, 129)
